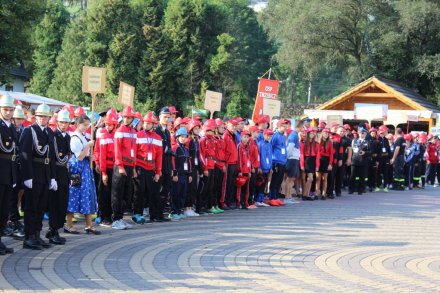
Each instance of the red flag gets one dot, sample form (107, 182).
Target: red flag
(267, 89)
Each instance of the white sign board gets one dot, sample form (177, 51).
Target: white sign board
(435, 130)
(93, 80)
(370, 111)
(271, 107)
(213, 101)
(334, 118)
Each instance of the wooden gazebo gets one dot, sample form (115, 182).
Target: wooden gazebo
(403, 104)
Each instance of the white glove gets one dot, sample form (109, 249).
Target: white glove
(28, 183)
(53, 185)
(13, 186)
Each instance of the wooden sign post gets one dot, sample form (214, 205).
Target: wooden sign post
(213, 102)
(126, 94)
(93, 82)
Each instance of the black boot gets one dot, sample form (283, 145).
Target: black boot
(3, 249)
(31, 243)
(43, 243)
(55, 238)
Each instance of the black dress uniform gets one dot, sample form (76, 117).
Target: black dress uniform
(384, 162)
(359, 164)
(58, 199)
(37, 160)
(165, 179)
(8, 174)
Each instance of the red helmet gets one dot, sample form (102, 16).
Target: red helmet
(177, 122)
(53, 120)
(197, 117)
(192, 124)
(240, 181)
(173, 110)
(408, 136)
(111, 117)
(283, 121)
(150, 117)
(263, 119)
(69, 109)
(219, 122)
(186, 120)
(79, 111)
(128, 112)
(210, 124)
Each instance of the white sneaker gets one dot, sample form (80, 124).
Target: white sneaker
(127, 225)
(289, 201)
(259, 204)
(118, 225)
(187, 213)
(192, 213)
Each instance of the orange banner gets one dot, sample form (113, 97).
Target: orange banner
(267, 89)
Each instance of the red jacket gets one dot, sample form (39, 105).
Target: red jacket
(326, 151)
(231, 153)
(338, 148)
(149, 151)
(312, 151)
(220, 152)
(105, 148)
(432, 153)
(125, 146)
(244, 159)
(255, 155)
(207, 147)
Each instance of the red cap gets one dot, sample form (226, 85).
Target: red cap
(268, 132)
(283, 121)
(197, 117)
(408, 136)
(245, 132)
(239, 119)
(383, 128)
(186, 120)
(372, 129)
(389, 136)
(219, 122)
(173, 110)
(334, 124)
(79, 111)
(233, 121)
(192, 124)
(263, 119)
(326, 130)
(253, 128)
(210, 124)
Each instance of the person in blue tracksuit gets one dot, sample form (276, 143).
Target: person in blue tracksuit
(265, 150)
(279, 158)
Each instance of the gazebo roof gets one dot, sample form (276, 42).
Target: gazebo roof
(377, 90)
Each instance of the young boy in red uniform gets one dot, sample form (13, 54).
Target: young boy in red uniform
(244, 169)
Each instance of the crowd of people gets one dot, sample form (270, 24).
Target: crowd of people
(167, 168)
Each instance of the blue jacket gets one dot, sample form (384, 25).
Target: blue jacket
(238, 136)
(260, 137)
(278, 142)
(265, 149)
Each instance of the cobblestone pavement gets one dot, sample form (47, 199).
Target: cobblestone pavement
(357, 243)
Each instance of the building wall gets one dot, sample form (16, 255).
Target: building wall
(16, 85)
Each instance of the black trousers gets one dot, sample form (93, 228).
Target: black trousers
(122, 190)
(357, 179)
(14, 214)
(147, 190)
(230, 185)
(252, 187)
(166, 181)
(372, 175)
(334, 181)
(277, 179)
(192, 196)
(105, 197)
(5, 198)
(179, 194)
(207, 192)
(399, 169)
(36, 204)
(219, 184)
(58, 206)
(383, 172)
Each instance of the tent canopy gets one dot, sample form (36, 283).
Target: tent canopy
(34, 100)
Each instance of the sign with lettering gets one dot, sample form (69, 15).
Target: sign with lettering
(213, 101)
(267, 89)
(126, 94)
(93, 80)
(271, 107)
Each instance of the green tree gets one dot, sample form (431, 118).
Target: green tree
(48, 38)
(18, 18)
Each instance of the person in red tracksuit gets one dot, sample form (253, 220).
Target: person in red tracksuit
(244, 168)
(123, 172)
(207, 158)
(334, 182)
(231, 157)
(432, 160)
(149, 154)
(255, 163)
(325, 154)
(104, 156)
(309, 154)
(220, 164)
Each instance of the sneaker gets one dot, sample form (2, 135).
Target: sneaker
(219, 209)
(138, 219)
(252, 207)
(188, 213)
(377, 189)
(182, 216)
(194, 214)
(214, 211)
(106, 224)
(273, 202)
(264, 204)
(119, 225)
(127, 225)
(98, 220)
(259, 204)
(385, 189)
(280, 202)
(289, 201)
(174, 217)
